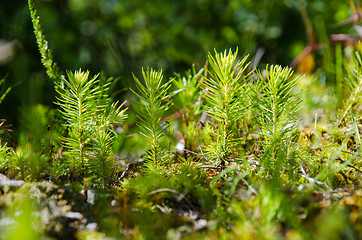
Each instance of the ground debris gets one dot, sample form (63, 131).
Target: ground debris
(5, 181)
(61, 211)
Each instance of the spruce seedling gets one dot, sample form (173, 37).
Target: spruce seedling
(225, 96)
(275, 109)
(151, 107)
(88, 111)
(108, 114)
(89, 116)
(77, 101)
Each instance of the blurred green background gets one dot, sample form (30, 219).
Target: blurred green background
(118, 37)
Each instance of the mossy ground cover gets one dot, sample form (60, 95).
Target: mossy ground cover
(227, 151)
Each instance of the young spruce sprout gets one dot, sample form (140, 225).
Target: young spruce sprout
(225, 95)
(77, 102)
(89, 116)
(275, 109)
(150, 108)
